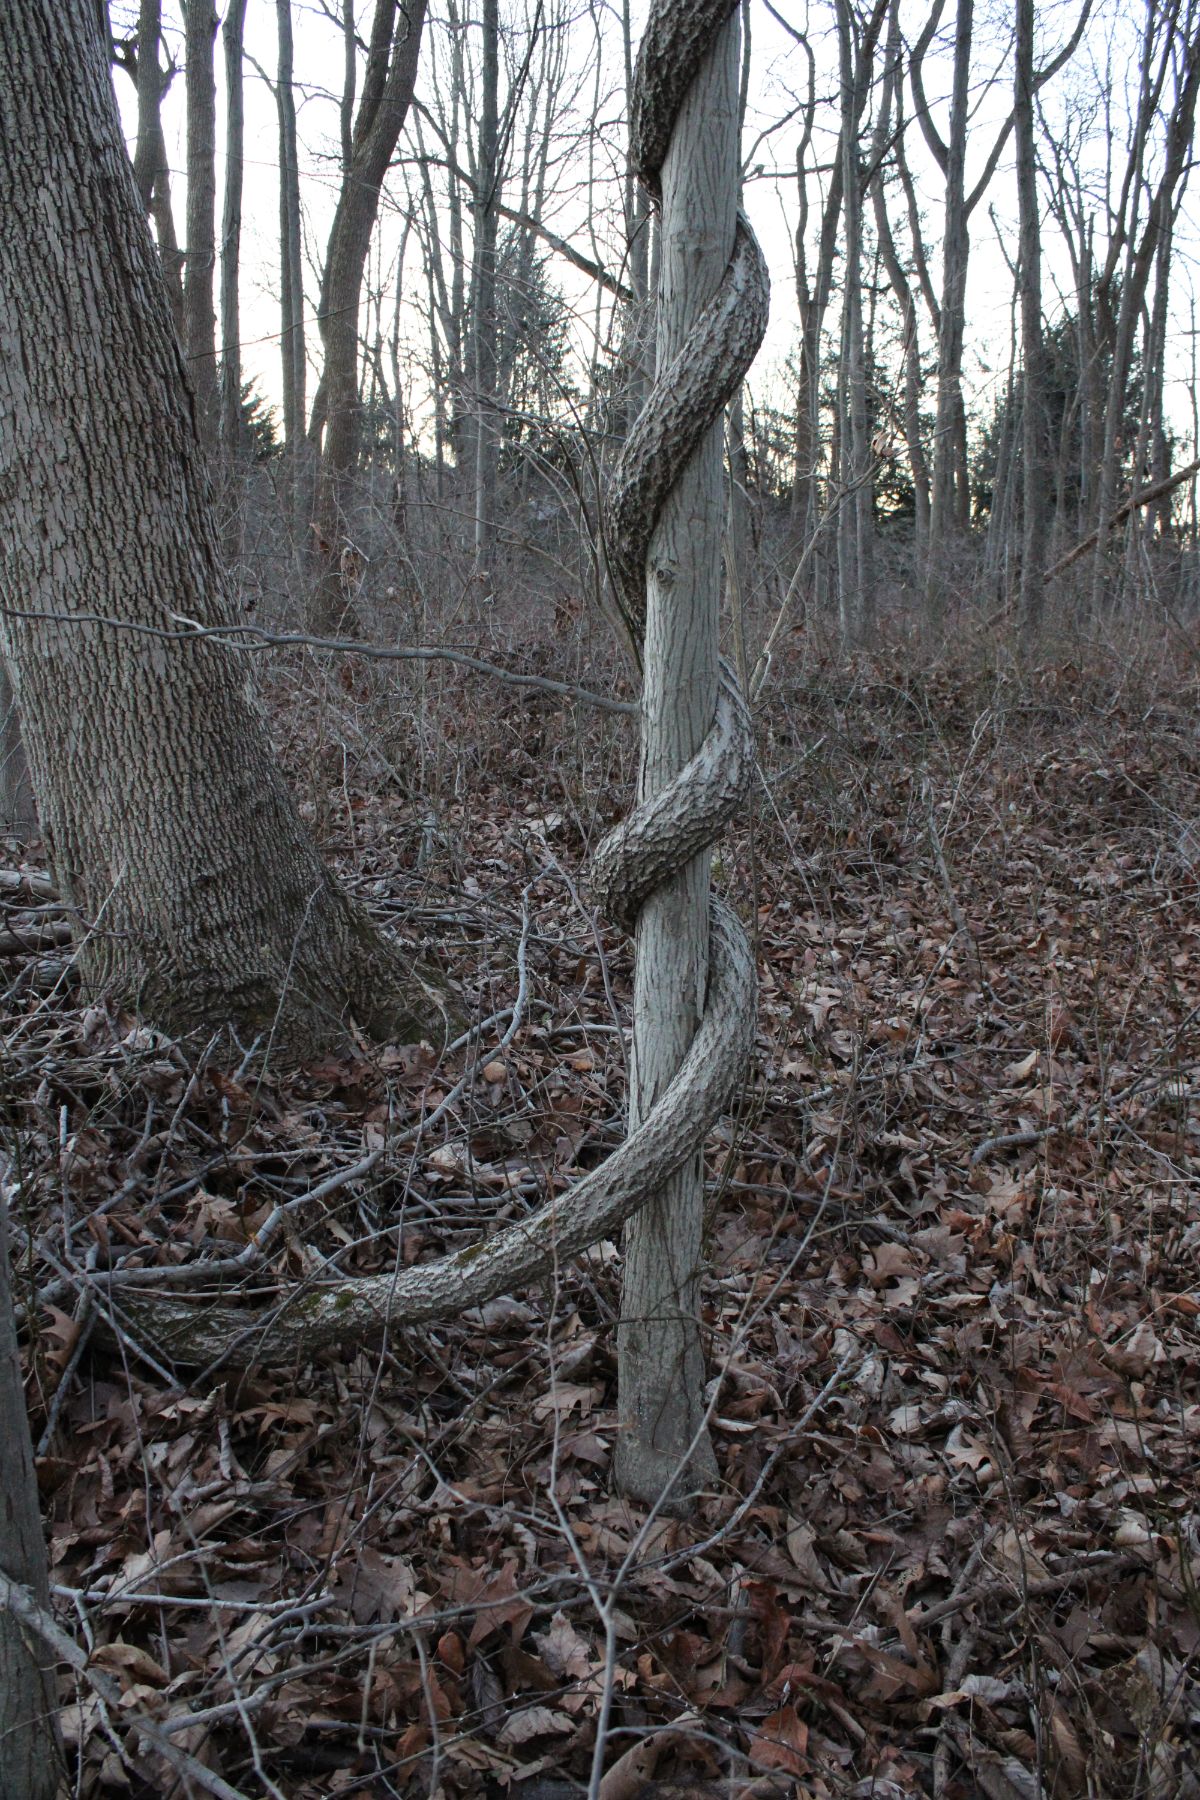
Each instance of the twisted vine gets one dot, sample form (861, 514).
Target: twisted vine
(658, 838)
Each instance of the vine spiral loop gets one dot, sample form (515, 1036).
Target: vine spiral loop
(665, 832)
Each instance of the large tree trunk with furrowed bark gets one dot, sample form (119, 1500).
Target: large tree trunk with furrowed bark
(200, 895)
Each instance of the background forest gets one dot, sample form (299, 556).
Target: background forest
(941, 1397)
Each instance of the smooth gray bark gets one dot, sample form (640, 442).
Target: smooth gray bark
(663, 1436)
(30, 1749)
(170, 831)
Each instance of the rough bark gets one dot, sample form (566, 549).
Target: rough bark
(663, 1438)
(170, 831)
(387, 91)
(199, 317)
(30, 1749)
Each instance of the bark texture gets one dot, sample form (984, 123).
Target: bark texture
(30, 1751)
(169, 828)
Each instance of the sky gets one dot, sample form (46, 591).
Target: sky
(595, 122)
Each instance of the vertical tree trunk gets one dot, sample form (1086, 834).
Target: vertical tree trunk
(151, 168)
(944, 503)
(1035, 458)
(231, 237)
(660, 1359)
(291, 275)
(31, 1763)
(892, 101)
(169, 829)
(855, 513)
(199, 317)
(487, 178)
(387, 91)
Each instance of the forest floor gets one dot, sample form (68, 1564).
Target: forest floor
(952, 1307)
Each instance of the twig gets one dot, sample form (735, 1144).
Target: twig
(21, 1604)
(249, 638)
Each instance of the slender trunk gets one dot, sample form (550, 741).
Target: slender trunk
(231, 241)
(855, 520)
(486, 195)
(168, 827)
(948, 479)
(31, 1759)
(291, 274)
(387, 89)
(151, 169)
(660, 1357)
(1035, 459)
(199, 317)
(1139, 262)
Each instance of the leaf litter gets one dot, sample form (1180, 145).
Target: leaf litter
(951, 1308)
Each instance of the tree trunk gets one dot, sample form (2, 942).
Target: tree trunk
(291, 280)
(169, 829)
(487, 180)
(151, 168)
(31, 1760)
(231, 239)
(944, 503)
(1035, 459)
(199, 318)
(663, 1438)
(387, 90)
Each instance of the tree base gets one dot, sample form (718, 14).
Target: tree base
(644, 1473)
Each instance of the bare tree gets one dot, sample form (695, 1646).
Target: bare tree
(232, 33)
(140, 60)
(336, 422)
(1034, 449)
(291, 273)
(199, 317)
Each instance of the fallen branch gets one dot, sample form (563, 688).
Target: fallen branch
(1143, 497)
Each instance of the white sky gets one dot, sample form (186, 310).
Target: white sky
(1106, 60)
